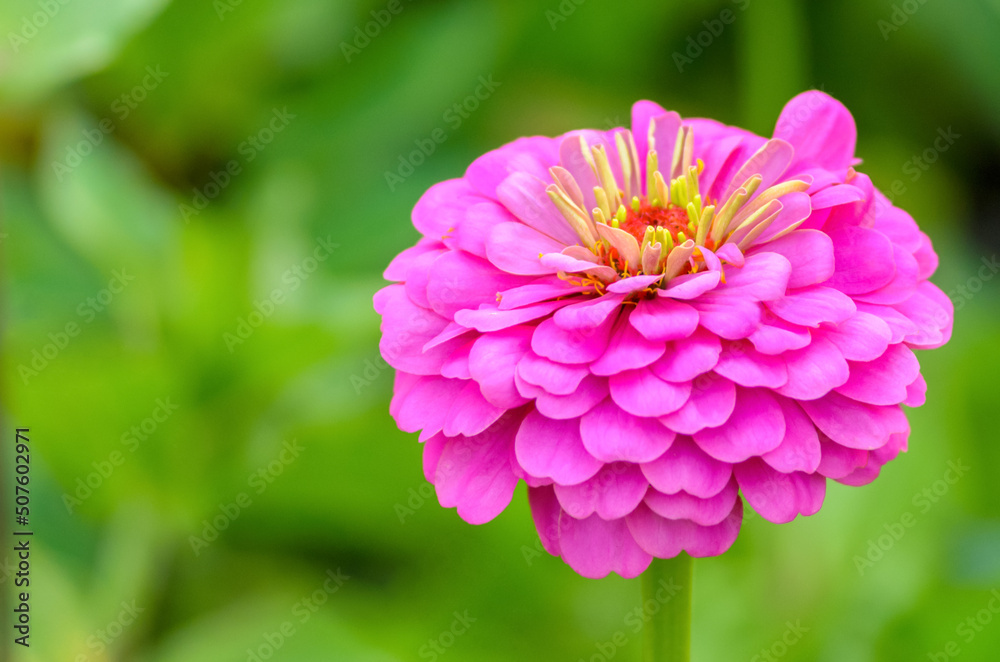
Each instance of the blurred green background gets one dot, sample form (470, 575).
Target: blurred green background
(168, 166)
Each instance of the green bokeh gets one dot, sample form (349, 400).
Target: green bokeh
(352, 497)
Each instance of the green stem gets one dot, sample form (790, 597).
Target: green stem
(667, 636)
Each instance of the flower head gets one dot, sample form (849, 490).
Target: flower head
(651, 326)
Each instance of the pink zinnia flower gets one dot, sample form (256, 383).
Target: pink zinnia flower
(650, 326)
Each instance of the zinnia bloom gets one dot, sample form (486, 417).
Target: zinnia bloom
(650, 326)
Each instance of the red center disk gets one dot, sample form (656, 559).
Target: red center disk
(673, 218)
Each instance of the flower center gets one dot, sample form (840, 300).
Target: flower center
(639, 216)
(663, 225)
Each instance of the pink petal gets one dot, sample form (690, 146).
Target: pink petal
(490, 318)
(820, 129)
(433, 448)
(444, 206)
(424, 403)
(492, 362)
(666, 538)
(589, 313)
(839, 461)
(883, 381)
(469, 412)
(916, 393)
(840, 194)
(903, 284)
(562, 346)
(525, 197)
(642, 393)
(514, 248)
(555, 378)
(406, 327)
(814, 371)
(405, 261)
(457, 365)
(853, 424)
(711, 403)
(770, 162)
(533, 155)
(932, 313)
(796, 207)
(634, 284)
(863, 337)
(627, 350)
(552, 449)
(474, 473)
(899, 325)
(744, 365)
(685, 467)
(472, 233)
(591, 391)
(691, 286)
(688, 358)
(800, 449)
(756, 426)
(863, 258)
(459, 281)
(594, 547)
(545, 512)
(611, 434)
(572, 265)
(813, 306)
(810, 252)
(662, 319)
(780, 497)
(763, 277)
(729, 317)
(536, 292)
(683, 506)
(643, 112)
(613, 493)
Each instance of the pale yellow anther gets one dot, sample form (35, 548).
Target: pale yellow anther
(602, 201)
(651, 171)
(662, 190)
(704, 224)
(626, 161)
(621, 214)
(602, 168)
(676, 162)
